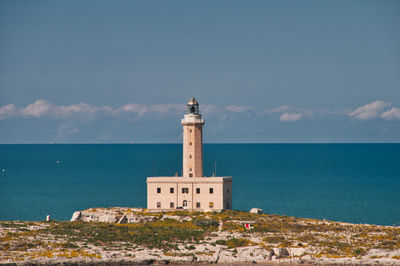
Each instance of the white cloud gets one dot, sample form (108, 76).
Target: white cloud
(369, 111)
(43, 108)
(142, 109)
(37, 109)
(239, 108)
(7, 111)
(166, 108)
(280, 109)
(392, 114)
(78, 108)
(81, 108)
(285, 113)
(132, 108)
(288, 113)
(290, 117)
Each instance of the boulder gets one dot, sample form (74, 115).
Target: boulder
(297, 251)
(174, 217)
(76, 216)
(281, 252)
(123, 220)
(270, 254)
(256, 210)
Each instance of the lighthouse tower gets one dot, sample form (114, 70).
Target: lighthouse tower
(191, 191)
(192, 140)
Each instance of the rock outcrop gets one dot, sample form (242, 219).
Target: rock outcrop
(76, 216)
(256, 210)
(123, 215)
(281, 252)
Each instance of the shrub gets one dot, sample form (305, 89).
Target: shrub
(206, 223)
(359, 252)
(191, 247)
(274, 239)
(220, 242)
(69, 245)
(237, 242)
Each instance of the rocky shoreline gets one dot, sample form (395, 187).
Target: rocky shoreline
(131, 236)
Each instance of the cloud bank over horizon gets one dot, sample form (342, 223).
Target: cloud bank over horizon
(285, 113)
(89, 123)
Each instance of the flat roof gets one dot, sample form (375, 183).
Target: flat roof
(179, 179)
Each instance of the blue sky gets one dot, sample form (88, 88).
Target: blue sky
(262, 71)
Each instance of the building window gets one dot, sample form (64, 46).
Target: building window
(211, 205)
(158, 190)
(184, 203)
(211, 190)
(158, 204)
(190, 156)
(190, 131)
(227, 190)
(185, 190)
(171, 190)
(198, 205)
(198, 190)
(171, 205)
(190, 143)
(190, 175)
(190, 169)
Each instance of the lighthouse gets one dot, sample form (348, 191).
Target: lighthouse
(192, 140)
(191, 191)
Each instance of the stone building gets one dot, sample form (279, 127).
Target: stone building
(192, 190)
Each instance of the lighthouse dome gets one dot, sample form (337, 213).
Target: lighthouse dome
(192, 101)
(192, 107)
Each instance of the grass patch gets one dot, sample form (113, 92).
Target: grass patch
(159, 234)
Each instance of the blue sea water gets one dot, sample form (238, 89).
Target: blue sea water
(357, 183)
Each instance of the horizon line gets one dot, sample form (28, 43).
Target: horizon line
(180, 143)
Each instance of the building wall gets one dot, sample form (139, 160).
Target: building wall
(227, 195)
(165, 197)
(192, 150)
(219, 197)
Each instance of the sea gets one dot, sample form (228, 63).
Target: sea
(357, 183)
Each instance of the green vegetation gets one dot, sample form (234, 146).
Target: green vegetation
(21, 241)
(235, 242)
(158, 234)
(206, 223)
